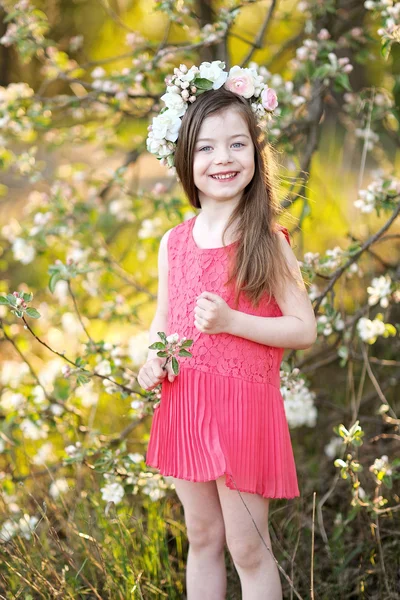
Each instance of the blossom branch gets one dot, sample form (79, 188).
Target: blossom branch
(339, 272)
(258, 43)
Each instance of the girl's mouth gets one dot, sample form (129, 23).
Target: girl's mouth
(225, 176)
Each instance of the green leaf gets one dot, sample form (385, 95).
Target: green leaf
(157, 346)
(203, 84)
(387, 480)
(162, 353)
(322, 72)
(385, 48)
(175, 366)
(32, 312)
(12, 299)
(183, 352)
(4, 300)
(27, 297)
(162, 336)
(343, 81)
(187, 343)
(82, 379)
(53, 280)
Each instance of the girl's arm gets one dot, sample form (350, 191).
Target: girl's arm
(296, 329)
(159, 322)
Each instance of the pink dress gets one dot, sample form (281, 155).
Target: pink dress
(224, 413)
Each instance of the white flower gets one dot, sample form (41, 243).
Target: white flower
(23, 252)
(27, 524)
(98, 73)
(369, 330)
(137, 404)
(8, 530)
(333, 447)
(88, 396)
(166, 126)
(71, 450)
(298, 401)
(302, 53)
(12, 372)
(103, 367)
(44, 455)
(381, 466)
(138, 347)
(113, 492)
(136, 457)
(379, 290)
(361, 493)
(33, 431)
(58, 487)
(189, 75)
(174, 337)
(175, 102)
(214, 72)
(11, 402)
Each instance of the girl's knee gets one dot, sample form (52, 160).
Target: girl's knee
(249, 554)
(203, 533)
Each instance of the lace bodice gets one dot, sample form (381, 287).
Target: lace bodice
(193, 270)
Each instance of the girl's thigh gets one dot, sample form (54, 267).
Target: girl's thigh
(202, 509)
(241, 533)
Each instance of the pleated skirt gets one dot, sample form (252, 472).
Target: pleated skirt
(209, 425)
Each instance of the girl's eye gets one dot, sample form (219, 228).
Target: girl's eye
(234, 144)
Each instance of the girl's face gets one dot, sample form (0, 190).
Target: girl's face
(223, 163)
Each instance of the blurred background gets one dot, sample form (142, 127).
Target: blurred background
(83, 206)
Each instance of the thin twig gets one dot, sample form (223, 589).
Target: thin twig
(258, 43)
(265, 544)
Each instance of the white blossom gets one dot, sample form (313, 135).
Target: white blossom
(138, 347)
(298, 401)
(33, 431)
(175, 102)
(369, 330)
(23, 251)
(44, 454)
(59, 486)
(27, 525)
(214, 72)
(113, 492)
(379, 291)
(332, 448)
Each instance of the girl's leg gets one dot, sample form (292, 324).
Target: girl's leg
(259, 575)
(205, 569)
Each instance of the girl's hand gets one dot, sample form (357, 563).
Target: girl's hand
(152, 373)
(212, 313)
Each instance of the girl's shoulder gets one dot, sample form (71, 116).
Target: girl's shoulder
(178, 230)
(284, 231)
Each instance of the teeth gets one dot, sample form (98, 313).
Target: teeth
(229, 176)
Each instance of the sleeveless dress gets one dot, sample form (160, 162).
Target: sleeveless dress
(224, 413)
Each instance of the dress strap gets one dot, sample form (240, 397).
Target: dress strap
(284, 231)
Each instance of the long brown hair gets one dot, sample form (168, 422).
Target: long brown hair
(259, 265)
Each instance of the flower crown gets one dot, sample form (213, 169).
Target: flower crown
(185, 85)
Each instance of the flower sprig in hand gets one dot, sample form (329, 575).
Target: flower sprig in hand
(155, 369)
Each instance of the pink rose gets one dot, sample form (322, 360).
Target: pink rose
(269, 99)
(240, 81)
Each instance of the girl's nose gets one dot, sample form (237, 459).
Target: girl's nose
(223, 156)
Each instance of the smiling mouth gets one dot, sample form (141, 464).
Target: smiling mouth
(225, 177)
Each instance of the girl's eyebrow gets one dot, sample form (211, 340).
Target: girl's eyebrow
(231, 137)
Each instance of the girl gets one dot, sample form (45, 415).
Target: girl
(220, 431)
